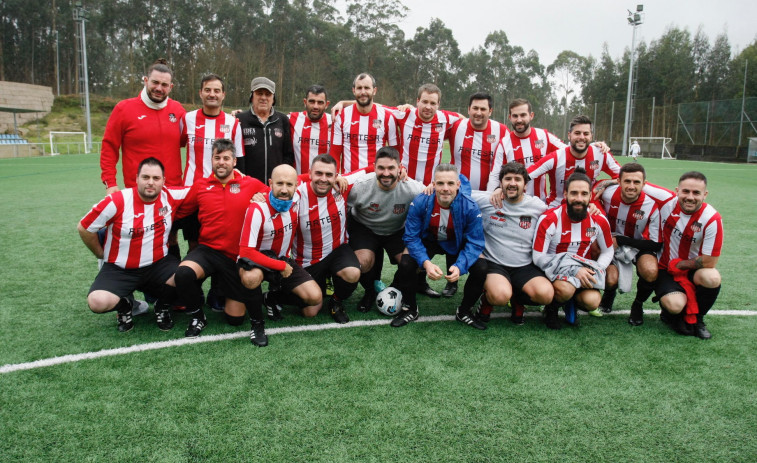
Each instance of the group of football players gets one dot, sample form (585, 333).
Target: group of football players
(309, 202)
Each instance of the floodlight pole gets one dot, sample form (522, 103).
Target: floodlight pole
(80, 16)
(635, 20)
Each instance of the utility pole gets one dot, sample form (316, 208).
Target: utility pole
(634, 20)
(80, 17)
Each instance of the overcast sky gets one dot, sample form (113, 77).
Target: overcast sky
(551, 26)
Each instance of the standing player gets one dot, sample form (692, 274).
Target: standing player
(220, 200)
(562, 249)
(199, 129)
(524, 144)
(311, 129)
(692, 236)
(361, 129)
(445, 222)
(265, 132)
(511, 275)
(379, 204)
(635, 222)
(560, 164)
(266, 242)
(141, 127)
(423, 131)
(472, 141)
(320, 243)
(135, 251)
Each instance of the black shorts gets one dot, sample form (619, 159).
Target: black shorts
(517, 276)
(299, 276)
(361, 237)
(340, 258)
(123, 282)
(224, 270)
(190, 227)
(665, 283)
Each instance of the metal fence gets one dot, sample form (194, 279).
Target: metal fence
(43, 149)
(713, 123)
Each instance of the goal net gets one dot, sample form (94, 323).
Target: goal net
(68, 143)
(653, 146)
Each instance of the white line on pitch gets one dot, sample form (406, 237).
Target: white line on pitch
(71, 358)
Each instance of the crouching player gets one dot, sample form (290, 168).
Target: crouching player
(562, 249)
(445, 222)
(510, 274)
(692, 236)
(635, 223)
(135, 252)
(264, 247)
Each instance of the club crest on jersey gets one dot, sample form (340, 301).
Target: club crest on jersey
(172, 117)
(491, 138)
(399, 208)
(696, 227)
(539, 144)
(525, 222)
(278, 133)
(251, 141)
(591, 232)
(438, 128)
(163, 211)
(594, 165)
(638, 215)
(376, 123)
(225, 128)
(235, 188)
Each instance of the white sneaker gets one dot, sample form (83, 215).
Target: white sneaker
(139, 308)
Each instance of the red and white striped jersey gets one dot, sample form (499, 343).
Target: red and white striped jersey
(687, 236)
(661, 195)
(527, 151)
(422, 142)
(266, 229)
(559, 165)
(322, 222)
(472, 151)
(556, 234)
(441, 225)
(639, 220)
(137, 234)
(309, 139)
(357, 137)
(198, 132)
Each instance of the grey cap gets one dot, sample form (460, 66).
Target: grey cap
(263, 82)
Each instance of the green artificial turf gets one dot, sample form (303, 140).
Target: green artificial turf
(433, 391)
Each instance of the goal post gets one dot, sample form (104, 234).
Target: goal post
(60, 142)
(654, 145)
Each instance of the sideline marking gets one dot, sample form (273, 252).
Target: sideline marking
(71, 358)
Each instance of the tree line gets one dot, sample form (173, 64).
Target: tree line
(301, 42)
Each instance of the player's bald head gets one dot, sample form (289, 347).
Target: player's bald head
(283, 170)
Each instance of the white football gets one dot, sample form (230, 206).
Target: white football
(389, 301)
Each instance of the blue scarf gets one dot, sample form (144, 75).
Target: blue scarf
(280, 205)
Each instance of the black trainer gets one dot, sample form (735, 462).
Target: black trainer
(366, 302)
(551, 319)
(466, 317)
(337, 311)
(163, 316)
(637, 314)
(125, 322)
(449, 289)
(196, 325)
(272, 307)
(701, 331)
(428, 290)
(257, 334)
(406, 316)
